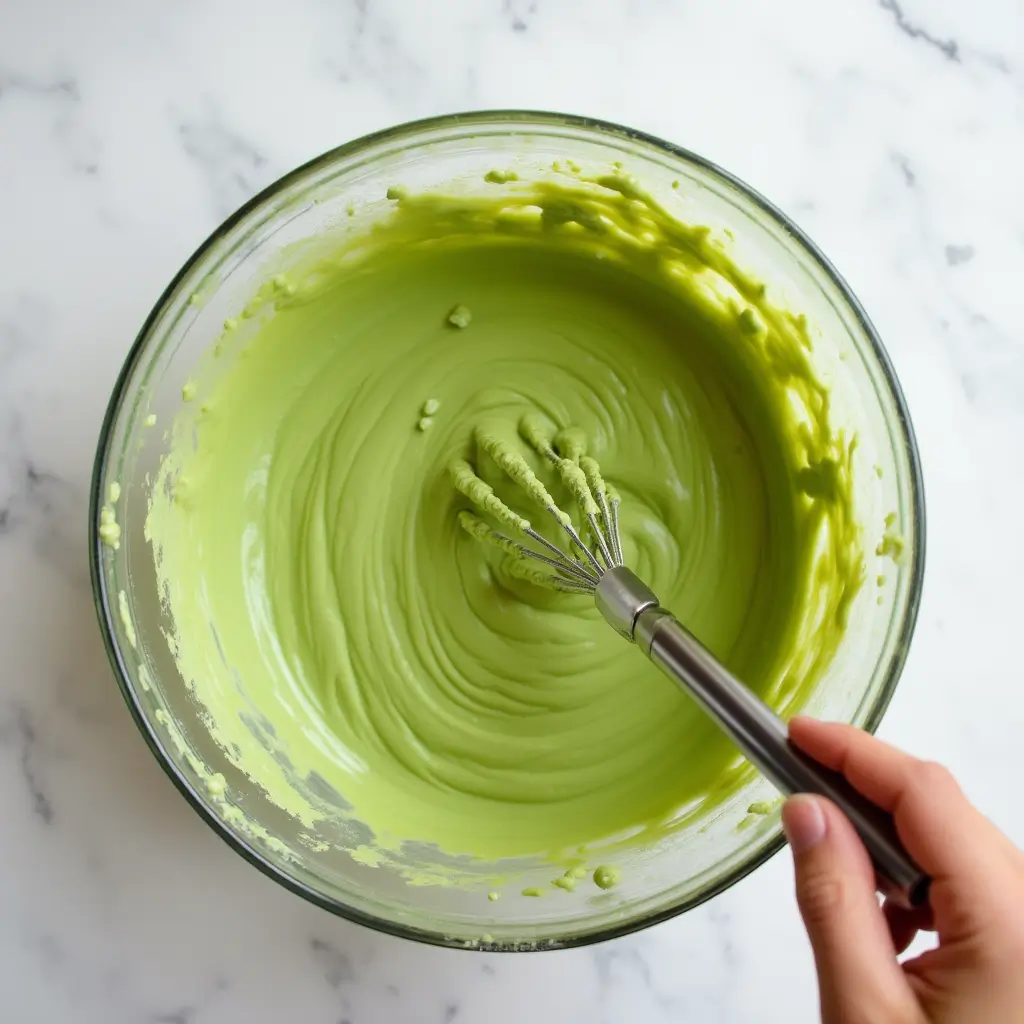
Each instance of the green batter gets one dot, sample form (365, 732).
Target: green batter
(361, 656)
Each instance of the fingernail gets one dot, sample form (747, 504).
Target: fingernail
(803, 821)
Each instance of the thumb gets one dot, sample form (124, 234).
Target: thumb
(859, 977)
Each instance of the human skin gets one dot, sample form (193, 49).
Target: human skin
(976, 902)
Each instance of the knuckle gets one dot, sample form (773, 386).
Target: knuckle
(822, 897)
(930, 775)
(935, 774)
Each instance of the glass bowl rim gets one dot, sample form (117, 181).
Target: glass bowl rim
(524, 120)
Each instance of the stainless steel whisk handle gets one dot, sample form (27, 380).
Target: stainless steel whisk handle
(632, 609)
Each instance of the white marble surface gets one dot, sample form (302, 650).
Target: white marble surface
(892, 131)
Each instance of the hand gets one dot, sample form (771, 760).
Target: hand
(976, 975)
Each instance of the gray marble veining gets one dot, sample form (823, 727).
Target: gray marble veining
(892, 130)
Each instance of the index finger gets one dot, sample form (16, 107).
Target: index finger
(939, 826)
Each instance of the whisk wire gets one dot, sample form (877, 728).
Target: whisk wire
(580, 569)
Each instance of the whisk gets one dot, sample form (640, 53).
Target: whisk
(595, 566)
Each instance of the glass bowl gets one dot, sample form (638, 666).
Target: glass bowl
(690, 865)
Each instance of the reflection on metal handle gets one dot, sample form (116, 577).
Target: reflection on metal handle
(632, 609)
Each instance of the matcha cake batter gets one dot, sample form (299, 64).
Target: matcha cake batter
(344, 632)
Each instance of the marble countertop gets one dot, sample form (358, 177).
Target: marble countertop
(891, 130)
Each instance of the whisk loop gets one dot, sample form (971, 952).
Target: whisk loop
(577, 570)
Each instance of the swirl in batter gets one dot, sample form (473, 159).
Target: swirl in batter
(346, 635)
